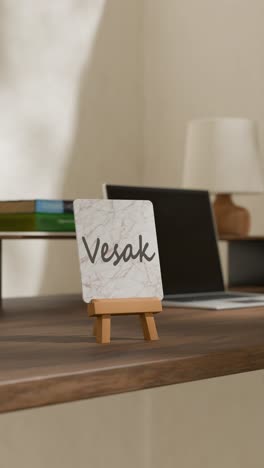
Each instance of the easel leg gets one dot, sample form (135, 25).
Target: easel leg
(103, 329)
(149, 327)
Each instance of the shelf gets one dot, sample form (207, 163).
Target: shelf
(248, 289)
(48, 354)
(37, 235)
(245, 238)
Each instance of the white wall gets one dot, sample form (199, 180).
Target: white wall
(70, 118)
(202, 58)
(212, 423)
(101, 90)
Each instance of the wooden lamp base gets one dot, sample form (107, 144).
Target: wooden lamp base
(231, 219)
(103, 309)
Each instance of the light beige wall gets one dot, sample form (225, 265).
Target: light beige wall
(202, 58)
(213, 423)
(90, 94)
(70, 118)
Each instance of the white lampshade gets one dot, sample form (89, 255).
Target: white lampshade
(222, 155)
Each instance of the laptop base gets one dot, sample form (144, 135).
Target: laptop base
(215, 301)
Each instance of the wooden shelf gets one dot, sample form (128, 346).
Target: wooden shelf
(48, 353)
(248, 289)
(37, 235)
(245, 238)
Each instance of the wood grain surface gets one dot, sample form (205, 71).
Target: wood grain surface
(241, 238)
(48, 353)
(36, 235)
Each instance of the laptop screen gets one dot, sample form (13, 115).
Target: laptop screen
(187, 243)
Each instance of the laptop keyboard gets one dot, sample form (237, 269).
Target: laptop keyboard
(204, 297)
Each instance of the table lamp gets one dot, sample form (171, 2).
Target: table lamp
(222, 156)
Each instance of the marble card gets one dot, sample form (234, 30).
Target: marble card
(118, 249)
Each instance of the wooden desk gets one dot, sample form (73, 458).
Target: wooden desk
(48, 354)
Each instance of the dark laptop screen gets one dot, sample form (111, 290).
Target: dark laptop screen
(188, 250)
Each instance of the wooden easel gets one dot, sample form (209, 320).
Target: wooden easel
(103, 309)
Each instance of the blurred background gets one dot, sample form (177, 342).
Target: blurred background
(97, 91)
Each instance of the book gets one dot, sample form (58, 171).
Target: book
(37, 222)
(36, 206)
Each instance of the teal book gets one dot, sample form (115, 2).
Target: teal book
(36, 206)
(50, 222)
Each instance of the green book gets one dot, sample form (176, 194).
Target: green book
(37, 222)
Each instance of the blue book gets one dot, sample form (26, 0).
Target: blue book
(36, 206)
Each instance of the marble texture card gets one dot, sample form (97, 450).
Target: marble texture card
(118, 249)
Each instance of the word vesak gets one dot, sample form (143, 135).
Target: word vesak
(118, 249)
(126, 254)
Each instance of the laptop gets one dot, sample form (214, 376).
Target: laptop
(188, 248)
